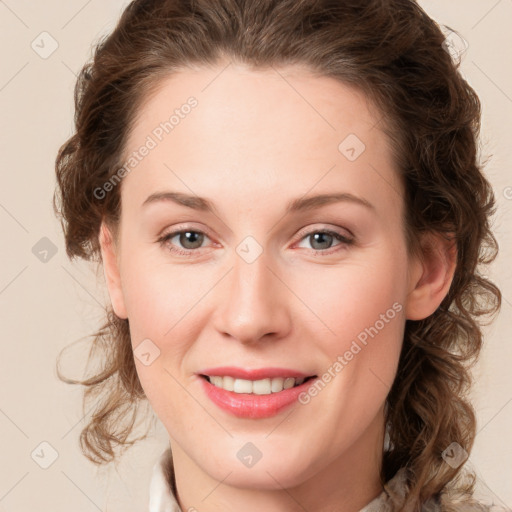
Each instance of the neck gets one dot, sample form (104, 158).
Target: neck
(346, 484)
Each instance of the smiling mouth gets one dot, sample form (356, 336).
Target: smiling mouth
(256, 387)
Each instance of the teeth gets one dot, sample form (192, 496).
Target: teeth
(258, 387)
(242, 386)
(277, 385)
(228, 383)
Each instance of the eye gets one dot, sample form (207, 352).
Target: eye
(321, 240)
(189, 239)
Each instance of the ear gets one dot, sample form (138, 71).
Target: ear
(109, 255)
(430, 275)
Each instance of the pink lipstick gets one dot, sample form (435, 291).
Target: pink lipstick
(254, 393)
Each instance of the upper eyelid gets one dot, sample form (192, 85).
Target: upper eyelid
(308, 231)
(181, 229)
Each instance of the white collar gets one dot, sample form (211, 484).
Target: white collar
(161, 495)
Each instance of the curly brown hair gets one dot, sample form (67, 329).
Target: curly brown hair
(393, 52)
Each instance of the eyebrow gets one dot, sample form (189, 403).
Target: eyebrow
(299, 204)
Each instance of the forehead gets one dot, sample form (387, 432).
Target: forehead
(258, 131)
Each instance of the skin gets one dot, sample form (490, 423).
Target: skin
(252, 144)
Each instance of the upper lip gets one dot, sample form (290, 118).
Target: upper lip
(254, 373)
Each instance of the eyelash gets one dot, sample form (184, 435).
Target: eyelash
(345, 241)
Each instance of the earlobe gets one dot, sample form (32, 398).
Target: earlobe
(111, 271)
(431, 277)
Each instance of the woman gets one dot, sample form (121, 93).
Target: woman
(286, 200)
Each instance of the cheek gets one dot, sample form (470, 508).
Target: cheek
(157, 293)
(161, 301)
(363, 306)
(348, 298)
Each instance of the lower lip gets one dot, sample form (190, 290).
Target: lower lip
(249, 405)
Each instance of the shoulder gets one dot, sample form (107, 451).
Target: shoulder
(470, 504)
(396, 489)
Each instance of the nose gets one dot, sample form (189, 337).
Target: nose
(253, 303)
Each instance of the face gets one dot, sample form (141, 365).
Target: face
(265, 277)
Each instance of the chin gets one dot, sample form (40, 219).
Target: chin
(273, 473)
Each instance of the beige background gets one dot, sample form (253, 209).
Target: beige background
(46, 306)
